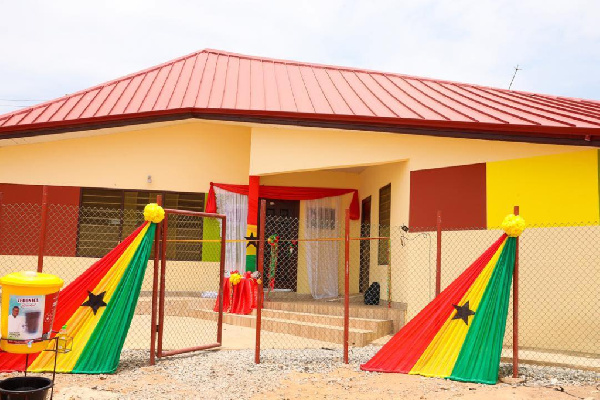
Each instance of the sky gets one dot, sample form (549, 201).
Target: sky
(53, 48)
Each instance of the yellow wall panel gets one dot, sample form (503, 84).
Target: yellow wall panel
(559, 189)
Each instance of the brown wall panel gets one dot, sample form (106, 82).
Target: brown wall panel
(458, 191)
(20, 220)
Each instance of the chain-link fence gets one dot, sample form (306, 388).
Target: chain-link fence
(77, 236)
(302, 307)
(559, 318)
(190, 279)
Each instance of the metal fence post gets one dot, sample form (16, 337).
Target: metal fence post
(260, 268)
(43, 225)
(438, 263)
(161, 297)
(154, 325)
(221, 280)
(389, 260)
(516, 307)
(347, 285)
(1, 216)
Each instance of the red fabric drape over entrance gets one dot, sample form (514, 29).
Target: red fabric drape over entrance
(285, 193)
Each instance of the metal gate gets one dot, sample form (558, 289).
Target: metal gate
(192, 265)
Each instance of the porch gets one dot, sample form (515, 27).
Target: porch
(309, 323)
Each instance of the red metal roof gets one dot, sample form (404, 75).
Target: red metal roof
(212, 83)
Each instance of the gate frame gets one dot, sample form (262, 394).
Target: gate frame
(161, 290)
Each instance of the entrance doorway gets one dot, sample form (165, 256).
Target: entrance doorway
(365, 245)
(283, 219)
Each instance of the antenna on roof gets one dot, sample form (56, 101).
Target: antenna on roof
(517, 69)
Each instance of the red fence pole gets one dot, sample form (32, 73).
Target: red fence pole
(1, 216)
(259, 265)
(438, 264)
(516, 308)
(153, 324)
(44, 223)
(389, 260)
(221, 281)
(347, 286)
(161, 297)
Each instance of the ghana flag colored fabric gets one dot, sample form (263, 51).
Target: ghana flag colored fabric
(97, 308)
(459, 334)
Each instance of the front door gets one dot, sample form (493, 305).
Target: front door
(365, 245)
(283, 219)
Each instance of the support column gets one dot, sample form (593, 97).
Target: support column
(251, 230)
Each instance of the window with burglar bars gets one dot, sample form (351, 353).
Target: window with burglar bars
(385, 205)
(321, 218)
(121, 215)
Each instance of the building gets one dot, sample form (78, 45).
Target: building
(393, 148)
(410, 146)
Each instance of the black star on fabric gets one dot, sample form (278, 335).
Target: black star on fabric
(463, 312)
(251, 240)
(95, 301)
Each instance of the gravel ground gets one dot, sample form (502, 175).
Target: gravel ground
(233, 375)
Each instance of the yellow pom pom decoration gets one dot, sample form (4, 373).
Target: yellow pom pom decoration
(513, 225)
(234, 278)
(154, 213)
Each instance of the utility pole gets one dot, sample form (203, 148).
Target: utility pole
(517, 69)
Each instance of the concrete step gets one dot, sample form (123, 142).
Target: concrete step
(310, 330)
(377, 326)
(326, 327)
(396, 314)
(321, 332)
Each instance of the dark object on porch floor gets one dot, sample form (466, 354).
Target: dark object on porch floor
(372, 294)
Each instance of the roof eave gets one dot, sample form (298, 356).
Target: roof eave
(474, 130)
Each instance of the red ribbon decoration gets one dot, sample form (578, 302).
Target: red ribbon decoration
(285, 193)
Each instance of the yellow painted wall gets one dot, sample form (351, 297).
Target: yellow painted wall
(182, 157)
(284, 149)
(551, 190)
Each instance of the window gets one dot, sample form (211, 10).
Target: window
(108, 216)
(385, 206)
(321, 218)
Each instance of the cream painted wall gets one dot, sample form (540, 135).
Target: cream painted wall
(371, 180)
(374, 178)
(182, 157)
(329, 179)
(278, 150)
